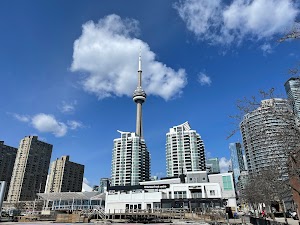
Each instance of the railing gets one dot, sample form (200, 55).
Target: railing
(73, 207)
(168, 213)
(97, 210)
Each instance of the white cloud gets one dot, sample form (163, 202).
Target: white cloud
(203, 79)
(218, 23)
(47, 123)
(208, 155)
(22, 118)
(73, 125)
(266, 48)
(224, 164)
(107, 52)
(67, 107)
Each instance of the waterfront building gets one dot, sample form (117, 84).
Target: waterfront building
(161, 194)
(72, 201)
(237, 159)
(131, 158)
(225, 180)
(7, 160)
(65, 176)
(213, 165)
(30, 170)
(269, 135)
(184, 150)
(192, 191)
(292, 88)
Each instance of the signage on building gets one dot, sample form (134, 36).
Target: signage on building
(157, 186)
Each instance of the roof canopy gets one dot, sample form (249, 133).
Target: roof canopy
(72, 195)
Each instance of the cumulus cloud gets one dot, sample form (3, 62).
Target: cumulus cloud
(203, 79)
(107, 53)
(67, 107)
(22, 118)
(220, 23)
(266, 48)
(47, 123)
(73, 124)
(224, 164)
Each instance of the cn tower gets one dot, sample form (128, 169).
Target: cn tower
(139, 97)
(131, 158)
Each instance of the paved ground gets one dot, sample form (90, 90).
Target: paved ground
(278, 219)
(231, 221)
(291, 221)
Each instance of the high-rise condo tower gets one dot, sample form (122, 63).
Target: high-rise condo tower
(269, 135)
(30, 170)
(65, 176)
(184, 150)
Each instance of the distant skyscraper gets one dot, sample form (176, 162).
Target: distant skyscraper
(104, 183)
(241, 183)
(65, 176)
(237, 160)
(131, 159)
(292, 88)
(184, 150)
(7, 161)
(213, 164)
(30, 170)
(268, 134)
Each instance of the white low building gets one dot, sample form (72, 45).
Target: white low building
(168, 193)
(225, 180)
(193, 190)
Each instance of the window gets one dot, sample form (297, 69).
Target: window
(227, 184)
(180, 194)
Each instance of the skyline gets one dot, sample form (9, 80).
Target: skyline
(69, 70)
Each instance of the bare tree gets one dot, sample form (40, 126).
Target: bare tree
(293, 34)
(266, 187)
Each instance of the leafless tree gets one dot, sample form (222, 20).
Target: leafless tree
(293, 34)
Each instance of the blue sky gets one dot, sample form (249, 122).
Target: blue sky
(69, 68)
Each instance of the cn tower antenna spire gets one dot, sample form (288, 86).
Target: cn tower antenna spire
(139, 97)
(140, 70)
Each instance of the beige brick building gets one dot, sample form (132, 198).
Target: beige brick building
(65, 176)
(30, 170)
(7, 160)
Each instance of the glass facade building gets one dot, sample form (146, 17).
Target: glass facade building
(213, 165)
(184, 150)
(237, 160)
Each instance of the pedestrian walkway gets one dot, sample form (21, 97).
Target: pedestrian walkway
(291, 221)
